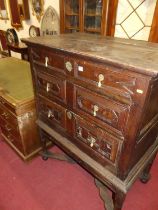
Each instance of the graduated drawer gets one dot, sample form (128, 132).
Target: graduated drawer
(51, 86)
(96, 139)
(4, 103)
(107, 80)
(12, 137)
(9, 127)
(53, 60)
(101, 109)
(6, 115)
(52, 113)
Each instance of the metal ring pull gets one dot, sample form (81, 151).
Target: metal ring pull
(46, 61)
(95, 110)
(100, 78)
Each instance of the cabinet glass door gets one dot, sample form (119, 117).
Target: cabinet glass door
(71, 15)
(93, 15)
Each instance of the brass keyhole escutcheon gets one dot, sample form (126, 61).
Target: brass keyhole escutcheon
(68, 66)
(69, 115)
(95, 110)
(100, 78)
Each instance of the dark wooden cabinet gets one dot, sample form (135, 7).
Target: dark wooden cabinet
(17, 108)
(97, 99)
(92, 16)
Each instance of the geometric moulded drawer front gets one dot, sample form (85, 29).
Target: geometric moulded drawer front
(101, 109)
(96, 139)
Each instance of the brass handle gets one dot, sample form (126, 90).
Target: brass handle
(68, 66)
(46, 61)
(69, 115)
(92, 140)
(100, 78)
(5, 115)
(79, 131)
(50, 114)
(8, 128)
(48, 87)
(95, 110)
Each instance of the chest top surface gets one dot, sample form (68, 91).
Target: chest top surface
(139, 56)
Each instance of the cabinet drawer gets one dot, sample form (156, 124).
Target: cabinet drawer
(51, 87)
(7, 105)
(6, 115)
(96, 139)
(101, 109)
(12, 138)
(106, 79)
(51, 112)
(9, 127)
(48, 59)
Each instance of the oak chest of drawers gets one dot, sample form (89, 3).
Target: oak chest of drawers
(97, 99)
(17, 108)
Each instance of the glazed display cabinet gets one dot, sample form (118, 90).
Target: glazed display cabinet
(92, 16)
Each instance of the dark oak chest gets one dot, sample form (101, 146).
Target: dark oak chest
(97, 98)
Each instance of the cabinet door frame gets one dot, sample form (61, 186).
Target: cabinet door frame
(109, 12)
(153, 36)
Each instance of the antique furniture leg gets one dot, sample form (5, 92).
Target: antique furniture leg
(47, 154)
(114, 203)
(145, 175)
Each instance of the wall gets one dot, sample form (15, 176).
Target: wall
(4, 25)
(23, 33)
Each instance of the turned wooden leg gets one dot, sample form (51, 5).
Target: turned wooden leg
(145, 175)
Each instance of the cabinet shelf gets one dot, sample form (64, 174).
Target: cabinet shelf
(72, 14)
(92, 15)
(95, 30)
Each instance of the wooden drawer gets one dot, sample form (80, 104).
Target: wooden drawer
(9, 127)
(12, 138)
(101, 109)
(96, 139)
(51, 112)
(6, 115)
(51, 87)
(107, 80)
(6, 104)
(52, 61)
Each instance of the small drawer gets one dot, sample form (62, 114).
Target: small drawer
(12, 138)
(51, 112)
(7, 105)
(48, 59)
(6, 115)
(108, 80)
(9, 127)
(52, 87)
(101, 109)
(96, 139)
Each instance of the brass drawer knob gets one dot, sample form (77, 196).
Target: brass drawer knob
(100, 78)
(50, 114)
(91, 140)
(46, 61)
(68, 66)
(95, 110)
